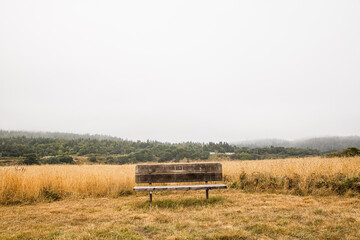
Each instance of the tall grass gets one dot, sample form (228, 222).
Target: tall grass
(36, 183)
(298, 176)
(301, 166)
(305, 176)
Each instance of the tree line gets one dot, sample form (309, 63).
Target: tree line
(118, 151)
(272, 153)
(324, 144)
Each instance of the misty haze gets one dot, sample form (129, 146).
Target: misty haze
(187, 71)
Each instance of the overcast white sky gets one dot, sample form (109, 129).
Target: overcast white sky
(181, 70)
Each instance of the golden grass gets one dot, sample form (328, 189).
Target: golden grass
(305, 176)
(90, 209)
(53, 182)
(290, 166)
(183, 215)
(301, 176)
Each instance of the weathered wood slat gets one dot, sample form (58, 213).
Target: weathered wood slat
(178, 167)
(183, 187)
(189, 177)
(188, 172)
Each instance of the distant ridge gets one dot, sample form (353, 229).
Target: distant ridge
(30, 134)
(325, 144)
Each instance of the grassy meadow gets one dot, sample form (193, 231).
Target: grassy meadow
(308, 198)
(304, 176)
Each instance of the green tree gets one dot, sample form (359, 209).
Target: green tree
(31, 159)
(92, 158)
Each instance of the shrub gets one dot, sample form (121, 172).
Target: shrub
(30, 159)
(62, 159)
(348, 152)
(110, 159)
(92, 158)
(338, 184)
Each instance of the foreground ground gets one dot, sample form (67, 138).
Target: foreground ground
(229, 214)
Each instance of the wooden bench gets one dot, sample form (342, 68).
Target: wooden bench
(183, 172)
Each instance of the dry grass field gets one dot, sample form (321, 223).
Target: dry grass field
(55, 182)
(305, 176)
(229, 214)
(300, 176)
(319, 200)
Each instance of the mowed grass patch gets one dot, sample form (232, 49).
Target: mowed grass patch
(183, 203)
(236, 215)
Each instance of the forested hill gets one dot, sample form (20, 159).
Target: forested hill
(324, 144)
(60, 135)
(119, 151)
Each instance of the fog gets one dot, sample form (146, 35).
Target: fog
(181, 70)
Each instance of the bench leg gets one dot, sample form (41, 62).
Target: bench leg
(150, 193)
(207, 191)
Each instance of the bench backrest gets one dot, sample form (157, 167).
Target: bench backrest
(178, 172)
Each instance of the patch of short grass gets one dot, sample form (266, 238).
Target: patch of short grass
(320, 212)
(168, 203)
(112, 233)
(262, 228)
(102, 234)
(231, 235)
(150, 229)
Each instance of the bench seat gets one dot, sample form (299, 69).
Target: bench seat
(181, 187)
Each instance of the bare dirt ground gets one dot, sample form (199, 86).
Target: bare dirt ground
(229, 214)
